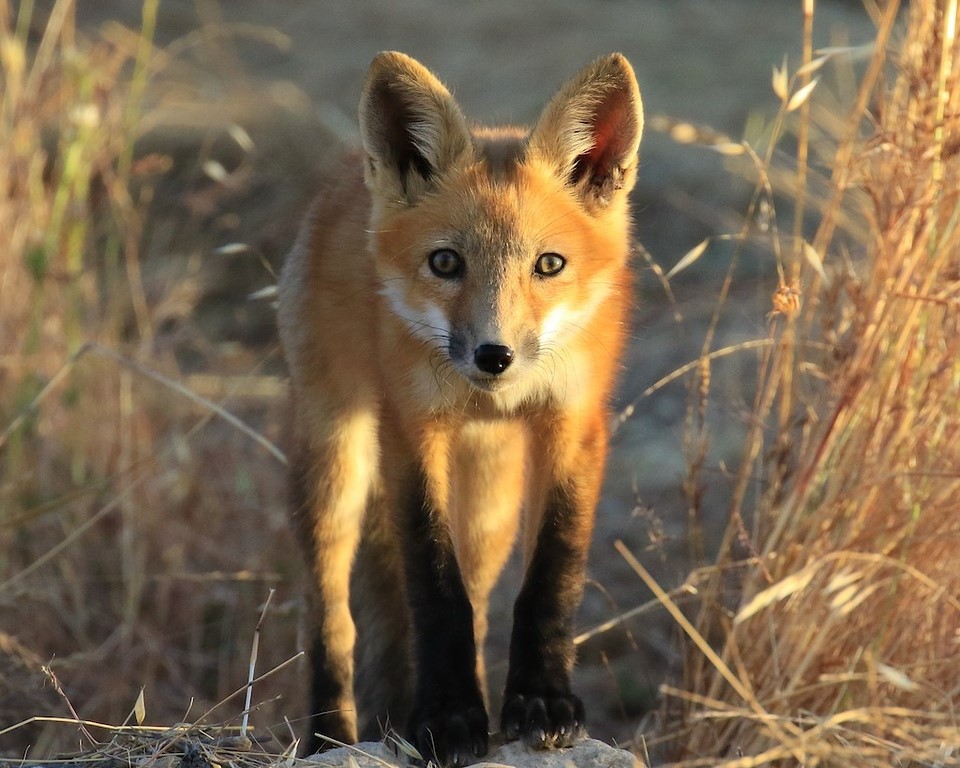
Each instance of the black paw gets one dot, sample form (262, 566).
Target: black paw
(452, 737)
(543, 722)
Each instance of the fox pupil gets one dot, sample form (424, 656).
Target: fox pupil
(445, 263)
(550, 264)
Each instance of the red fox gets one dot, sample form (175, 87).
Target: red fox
(452, 315)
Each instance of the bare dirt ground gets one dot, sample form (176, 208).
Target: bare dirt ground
(290, 72)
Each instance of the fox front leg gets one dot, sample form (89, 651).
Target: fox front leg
(448, 722)
(329, 546)
(539, 705)
(331, 472)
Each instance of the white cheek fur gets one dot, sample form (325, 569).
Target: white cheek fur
(428, 324)
(562, 321)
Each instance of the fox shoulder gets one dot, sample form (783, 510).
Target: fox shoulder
(329, 260)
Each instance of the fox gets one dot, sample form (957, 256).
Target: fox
(453, 314)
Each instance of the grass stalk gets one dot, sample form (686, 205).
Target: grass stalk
(859, 654)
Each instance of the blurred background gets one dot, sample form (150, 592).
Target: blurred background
(176, 145)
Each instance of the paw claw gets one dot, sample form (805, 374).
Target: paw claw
(451, 737)
(543, 722)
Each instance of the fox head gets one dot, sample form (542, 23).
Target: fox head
(501, 250)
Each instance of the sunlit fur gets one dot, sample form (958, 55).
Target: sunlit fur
(380, 350)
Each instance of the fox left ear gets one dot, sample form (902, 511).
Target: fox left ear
(590, 131)
(411, 128)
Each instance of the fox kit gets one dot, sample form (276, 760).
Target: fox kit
(453, 316)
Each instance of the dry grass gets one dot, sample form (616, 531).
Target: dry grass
(120, 489)
(834, 604)
(839, 634)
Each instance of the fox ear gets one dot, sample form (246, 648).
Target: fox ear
(590, 131)
(410, 126)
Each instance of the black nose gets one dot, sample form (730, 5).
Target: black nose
(493, 358)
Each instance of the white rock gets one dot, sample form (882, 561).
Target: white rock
(588, 753)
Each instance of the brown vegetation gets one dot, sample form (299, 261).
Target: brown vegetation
(834, 603)
(839, 632)
(120, 489)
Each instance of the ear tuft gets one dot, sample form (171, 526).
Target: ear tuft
(590, 131)
(410, 126)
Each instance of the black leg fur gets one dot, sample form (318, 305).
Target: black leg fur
(448, 723)
(539, 705)
(383, 677)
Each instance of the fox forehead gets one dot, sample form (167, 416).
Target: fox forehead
(485, 209)
(488, 215)
(501, 149)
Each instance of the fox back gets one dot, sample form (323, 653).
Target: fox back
(453, 314)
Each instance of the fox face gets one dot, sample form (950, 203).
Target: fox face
(495, 278)
(499, 249)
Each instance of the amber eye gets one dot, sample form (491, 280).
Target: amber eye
(550, 264)
(446, 263)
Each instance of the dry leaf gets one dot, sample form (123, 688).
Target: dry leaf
(729, 148)
(842, 580)
(779, 81)
(844, 596)
(855, 598)
(691, 256)
(215, 171)
(140, 709)
(13, 57)
(812, 66)
(242, 138)
(814, 260)
(268, 292)
(684, 133)
(801, 95)
(896, 678)
(855, 52)
(782, 589)
(406, 747)
(232, 249)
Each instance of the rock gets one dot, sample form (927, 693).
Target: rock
(588, 753)
(367, 754)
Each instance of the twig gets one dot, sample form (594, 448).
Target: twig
(742, 690)
(253, 664)
(54, 680)
(80, 530)
(159, 378)
(616, 621)
(243, 688)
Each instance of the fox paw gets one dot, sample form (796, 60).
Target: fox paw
(450, 737)
(543, 722)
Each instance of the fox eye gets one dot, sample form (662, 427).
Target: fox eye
(550, 264)
(445, 263)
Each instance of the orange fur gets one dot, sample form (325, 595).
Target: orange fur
(384, 353)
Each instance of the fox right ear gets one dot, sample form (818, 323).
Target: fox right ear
(590, 131)
(410, 126)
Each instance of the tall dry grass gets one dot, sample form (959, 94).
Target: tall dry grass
(836, 606)
(120, 490)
